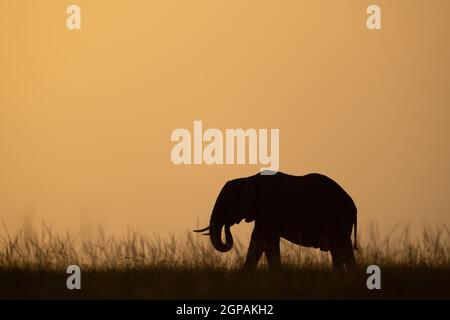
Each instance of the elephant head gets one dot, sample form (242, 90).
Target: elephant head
(234, 203)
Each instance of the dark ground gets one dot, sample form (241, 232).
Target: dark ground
(172, 283)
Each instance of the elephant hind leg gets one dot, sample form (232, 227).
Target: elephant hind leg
(349, 255)
(342, 254)
(337, 258)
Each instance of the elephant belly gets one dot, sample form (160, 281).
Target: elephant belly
(309, 238)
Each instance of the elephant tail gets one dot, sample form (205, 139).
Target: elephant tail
(355, 224)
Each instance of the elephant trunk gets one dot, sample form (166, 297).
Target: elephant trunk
(216, 238)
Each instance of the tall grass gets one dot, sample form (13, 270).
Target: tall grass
(44, 249)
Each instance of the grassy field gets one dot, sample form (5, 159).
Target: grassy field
(33, 266)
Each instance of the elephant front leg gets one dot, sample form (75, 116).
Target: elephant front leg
(254, 253)
(272, 250)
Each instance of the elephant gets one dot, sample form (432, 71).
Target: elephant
(310, 210)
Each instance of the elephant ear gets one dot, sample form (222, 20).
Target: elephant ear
(247, 201)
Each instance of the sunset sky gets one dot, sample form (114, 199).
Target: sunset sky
(86, 115)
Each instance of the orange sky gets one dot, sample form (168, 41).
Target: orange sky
(86, 116)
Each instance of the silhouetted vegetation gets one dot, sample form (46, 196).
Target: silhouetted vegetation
(33, 265)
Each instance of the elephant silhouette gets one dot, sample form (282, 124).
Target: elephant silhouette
(310, 210)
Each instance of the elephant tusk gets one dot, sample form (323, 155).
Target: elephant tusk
(204, 229)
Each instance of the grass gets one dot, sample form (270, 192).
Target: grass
(33, 266)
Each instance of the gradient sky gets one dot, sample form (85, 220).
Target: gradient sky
(86, 116)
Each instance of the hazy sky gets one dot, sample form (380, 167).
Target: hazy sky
(86, 115)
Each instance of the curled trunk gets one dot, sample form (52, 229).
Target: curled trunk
(216, 238)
